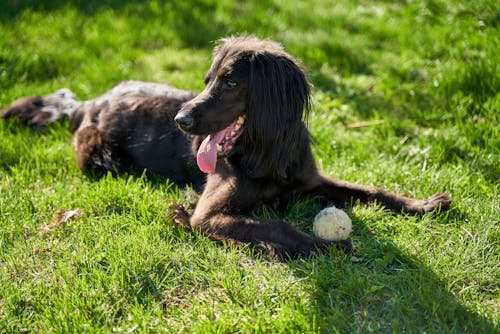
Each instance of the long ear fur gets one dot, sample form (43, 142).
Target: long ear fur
(278, 101)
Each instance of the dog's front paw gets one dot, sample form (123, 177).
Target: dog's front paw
(344, 245)
(437, 201)
(180, 216)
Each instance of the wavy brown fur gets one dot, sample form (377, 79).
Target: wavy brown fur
(132, 126)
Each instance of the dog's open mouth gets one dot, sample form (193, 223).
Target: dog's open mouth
(218, 144)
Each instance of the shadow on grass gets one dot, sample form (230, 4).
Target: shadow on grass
(190, 22)
(380, 288)
(10, 9)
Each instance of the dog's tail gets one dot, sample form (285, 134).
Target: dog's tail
(40, 111)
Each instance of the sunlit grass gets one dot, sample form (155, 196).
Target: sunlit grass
(422, 76)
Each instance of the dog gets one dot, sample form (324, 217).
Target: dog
(241, 142)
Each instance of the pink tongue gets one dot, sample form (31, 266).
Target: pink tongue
(207, 153)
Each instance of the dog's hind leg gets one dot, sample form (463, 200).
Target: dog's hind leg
(40, 111)
(96, 154)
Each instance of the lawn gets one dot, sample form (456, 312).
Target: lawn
(406, 97)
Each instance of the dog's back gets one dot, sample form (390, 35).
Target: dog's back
(129, 127)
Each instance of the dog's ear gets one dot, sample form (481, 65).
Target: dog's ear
(278, 101)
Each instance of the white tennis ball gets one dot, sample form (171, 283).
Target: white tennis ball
(332, 224)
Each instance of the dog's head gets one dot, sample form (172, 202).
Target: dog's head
(255, 98)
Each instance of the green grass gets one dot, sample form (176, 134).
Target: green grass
(429, 69)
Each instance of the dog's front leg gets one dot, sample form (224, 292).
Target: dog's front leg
(280, 238)
(344, 192)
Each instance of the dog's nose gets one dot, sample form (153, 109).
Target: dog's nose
(184, 121)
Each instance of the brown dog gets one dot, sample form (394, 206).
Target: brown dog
(245, 131)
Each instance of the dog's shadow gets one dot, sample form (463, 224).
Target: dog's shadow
(379, 287)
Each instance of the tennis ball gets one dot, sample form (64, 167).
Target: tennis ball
(332, 224)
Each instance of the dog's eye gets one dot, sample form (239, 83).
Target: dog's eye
(230, 83)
